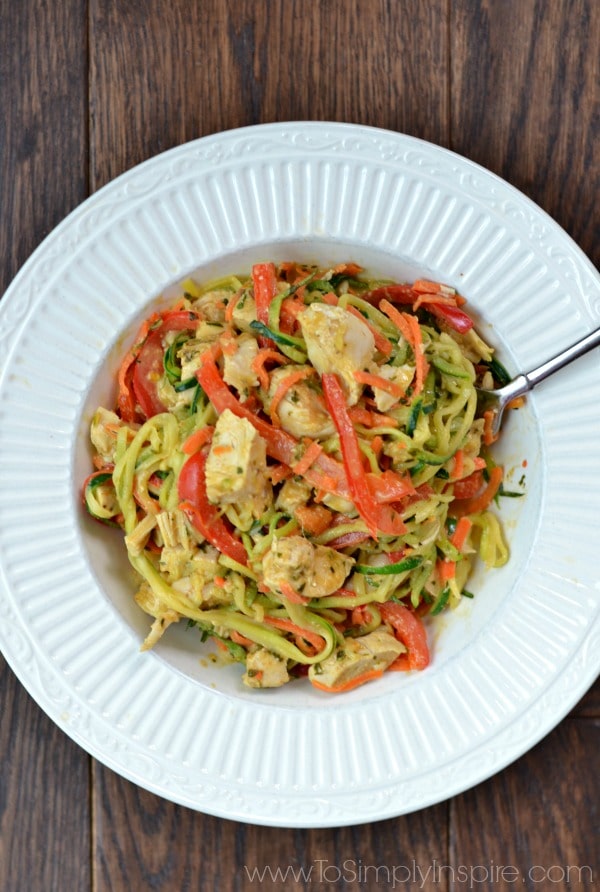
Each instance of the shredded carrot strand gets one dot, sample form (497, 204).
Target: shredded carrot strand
(458, 465)
(370, 675)
(286, 625)
(481, 501)
(446, 570)
(409, 328)
(311, 454)
(461, 531)
(377, 444)
(372, 380)
(283, 387)
(291, 594)
(371, 419)
(238, 638)
(197, 440)
(231, 307)
(438, 299)
(258, 364)
(488, 420)
(278, 473)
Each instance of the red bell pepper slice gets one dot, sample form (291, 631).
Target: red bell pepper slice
(452, 316)
(376, 516)
(405, 294)
(409, 629)
(143, 365)
(191, 487)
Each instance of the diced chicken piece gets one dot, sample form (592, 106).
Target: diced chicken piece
(191, 351)
(312, 571)
(173, 528)
(401, 375)
(236, 467)
(176, 551)
(136, 540)
(373, 652)
(238, 370)
(170, 398)
(103, 433)
(302, 411)
(338, 342)
(293, 494)
(198, 582)
(244, 312)
(265, 669)
(213, 304)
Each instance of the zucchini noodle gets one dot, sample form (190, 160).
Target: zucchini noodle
(300, 470)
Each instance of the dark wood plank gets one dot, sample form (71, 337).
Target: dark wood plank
(143, 842)
(44, 798)
(162, 74)
(538, 819)
(43, 97)
(524, 102)
(44, 777)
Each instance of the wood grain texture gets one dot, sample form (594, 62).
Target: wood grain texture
(525, 102)
(547, 818)
(44, 777)
(43, 97)
(218, 64)
(44, 799)
(162, 846)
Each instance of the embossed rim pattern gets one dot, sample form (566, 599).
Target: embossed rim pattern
(412, 742)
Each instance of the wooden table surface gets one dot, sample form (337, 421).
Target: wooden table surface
(89, 88)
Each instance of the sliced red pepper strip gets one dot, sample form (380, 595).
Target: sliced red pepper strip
(452, 316)
(142, 368)
(405, 294)
(409, 629)
(191, 487)
(360, 491)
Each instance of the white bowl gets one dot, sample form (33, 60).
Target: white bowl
(506, 667)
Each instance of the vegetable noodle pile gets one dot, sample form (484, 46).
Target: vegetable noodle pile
(299, 469)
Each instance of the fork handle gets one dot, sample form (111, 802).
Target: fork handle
(560, 360)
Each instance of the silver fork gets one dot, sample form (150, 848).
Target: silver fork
(497, 400)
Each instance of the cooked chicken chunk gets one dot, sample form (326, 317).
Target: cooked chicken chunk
(401, 375)
(176, 551)
(238, 366)
(302, 411)
(337, 342)
(103, 433)
(293, 494)
(374, 651)
(313, 571)
(198, 582)
(212, 305)
(265, 669)
(236, 468)
(244, 312)
(191, 352)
